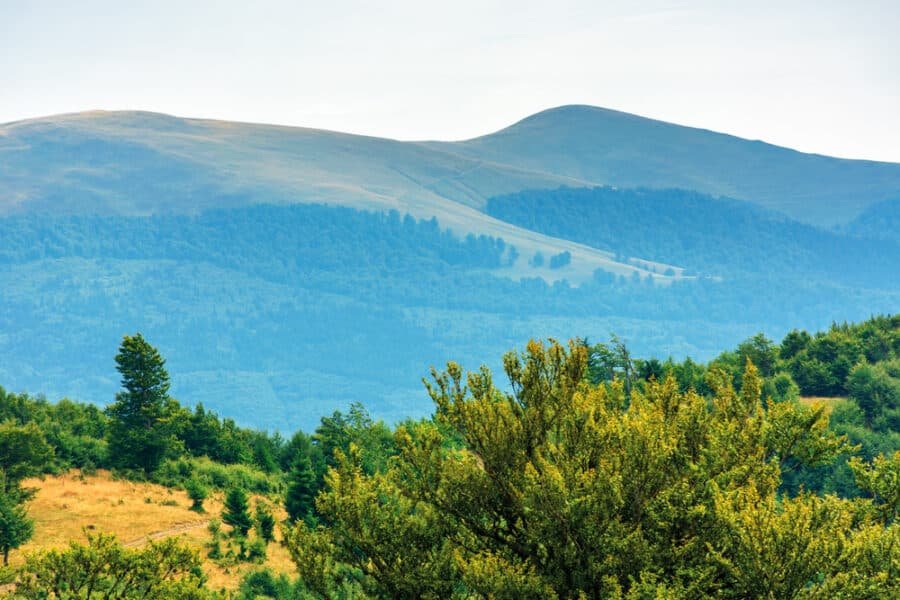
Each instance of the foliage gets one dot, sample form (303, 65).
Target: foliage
(301, 492)
(264, 522)
(140, 434)
(561, 488)
(23, 452)
(262, 583)
(197, 492)
(237, 512)
(176, 473)
(877, 394)
(15, 526)
(102, 568)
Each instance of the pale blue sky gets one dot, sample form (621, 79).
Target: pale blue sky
(820, 76)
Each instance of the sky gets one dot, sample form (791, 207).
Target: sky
(819, 76)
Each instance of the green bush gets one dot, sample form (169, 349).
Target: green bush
(176, 473)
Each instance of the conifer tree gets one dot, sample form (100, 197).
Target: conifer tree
(140, 434)
(237, 512)
(301, 493)
(265, 523)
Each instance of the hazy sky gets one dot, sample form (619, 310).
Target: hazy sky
(820, 76)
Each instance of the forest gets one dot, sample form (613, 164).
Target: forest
(281, 306)
(770, 471)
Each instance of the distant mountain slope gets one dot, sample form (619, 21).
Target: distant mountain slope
(135, 163)
(879, 221)
(625, 150)
(711, 236)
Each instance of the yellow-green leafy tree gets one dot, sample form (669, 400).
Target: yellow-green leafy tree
(562, 489)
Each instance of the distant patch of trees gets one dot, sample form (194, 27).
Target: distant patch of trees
(713, 236)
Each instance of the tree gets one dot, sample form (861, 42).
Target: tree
(23, 452)
(236, 512)
(15, 526)
(563, 489)
(265, 523)
(761, 351)
(103, 568)
(197, 492)
(302, 488)
(874, 391)
(140, 433)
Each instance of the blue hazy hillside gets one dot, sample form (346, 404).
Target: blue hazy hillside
(286, 272)
(277, 315)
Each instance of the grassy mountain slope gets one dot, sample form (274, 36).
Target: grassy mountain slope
(140, 163)
(133, 163)
(620, 149)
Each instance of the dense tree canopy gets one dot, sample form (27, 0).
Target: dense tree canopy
(563, 489)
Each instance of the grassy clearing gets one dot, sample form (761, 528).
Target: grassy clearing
(67, 505)
(830, 403)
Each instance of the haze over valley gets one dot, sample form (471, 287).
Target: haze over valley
(285, 271)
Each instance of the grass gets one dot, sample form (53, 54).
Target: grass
(67, 505)
(829, 402)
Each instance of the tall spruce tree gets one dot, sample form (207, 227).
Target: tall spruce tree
(140, 432)
(301, 493)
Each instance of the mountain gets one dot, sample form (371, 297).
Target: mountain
(878, 221)
(284, 272)
(134, 163)
(620, 149)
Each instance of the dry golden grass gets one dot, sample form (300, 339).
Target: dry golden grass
(67, 505)
(829, 403)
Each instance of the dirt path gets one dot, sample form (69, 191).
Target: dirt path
(164, 533)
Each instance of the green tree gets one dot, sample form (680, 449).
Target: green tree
(23, 452)
(15, 526)
(140, 433)
(103, 568)
(761, 351)
(197, 492)
(563, 489)
(237, 511)
(265, 523)
(301, 492)
(875, 392)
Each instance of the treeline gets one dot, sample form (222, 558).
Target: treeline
(301, 237)
(856, 367)
(710, 236)
(255, 298)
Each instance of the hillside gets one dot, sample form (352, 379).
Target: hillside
(67, 505)
(141, 163)
(137, 164)
(603, 459)
(285, 271)
(620, 149)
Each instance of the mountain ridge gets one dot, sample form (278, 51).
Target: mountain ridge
(569, 145)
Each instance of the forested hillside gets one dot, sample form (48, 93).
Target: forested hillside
(592, 474)
(283, 269)
(708, 235)
(272, 313)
